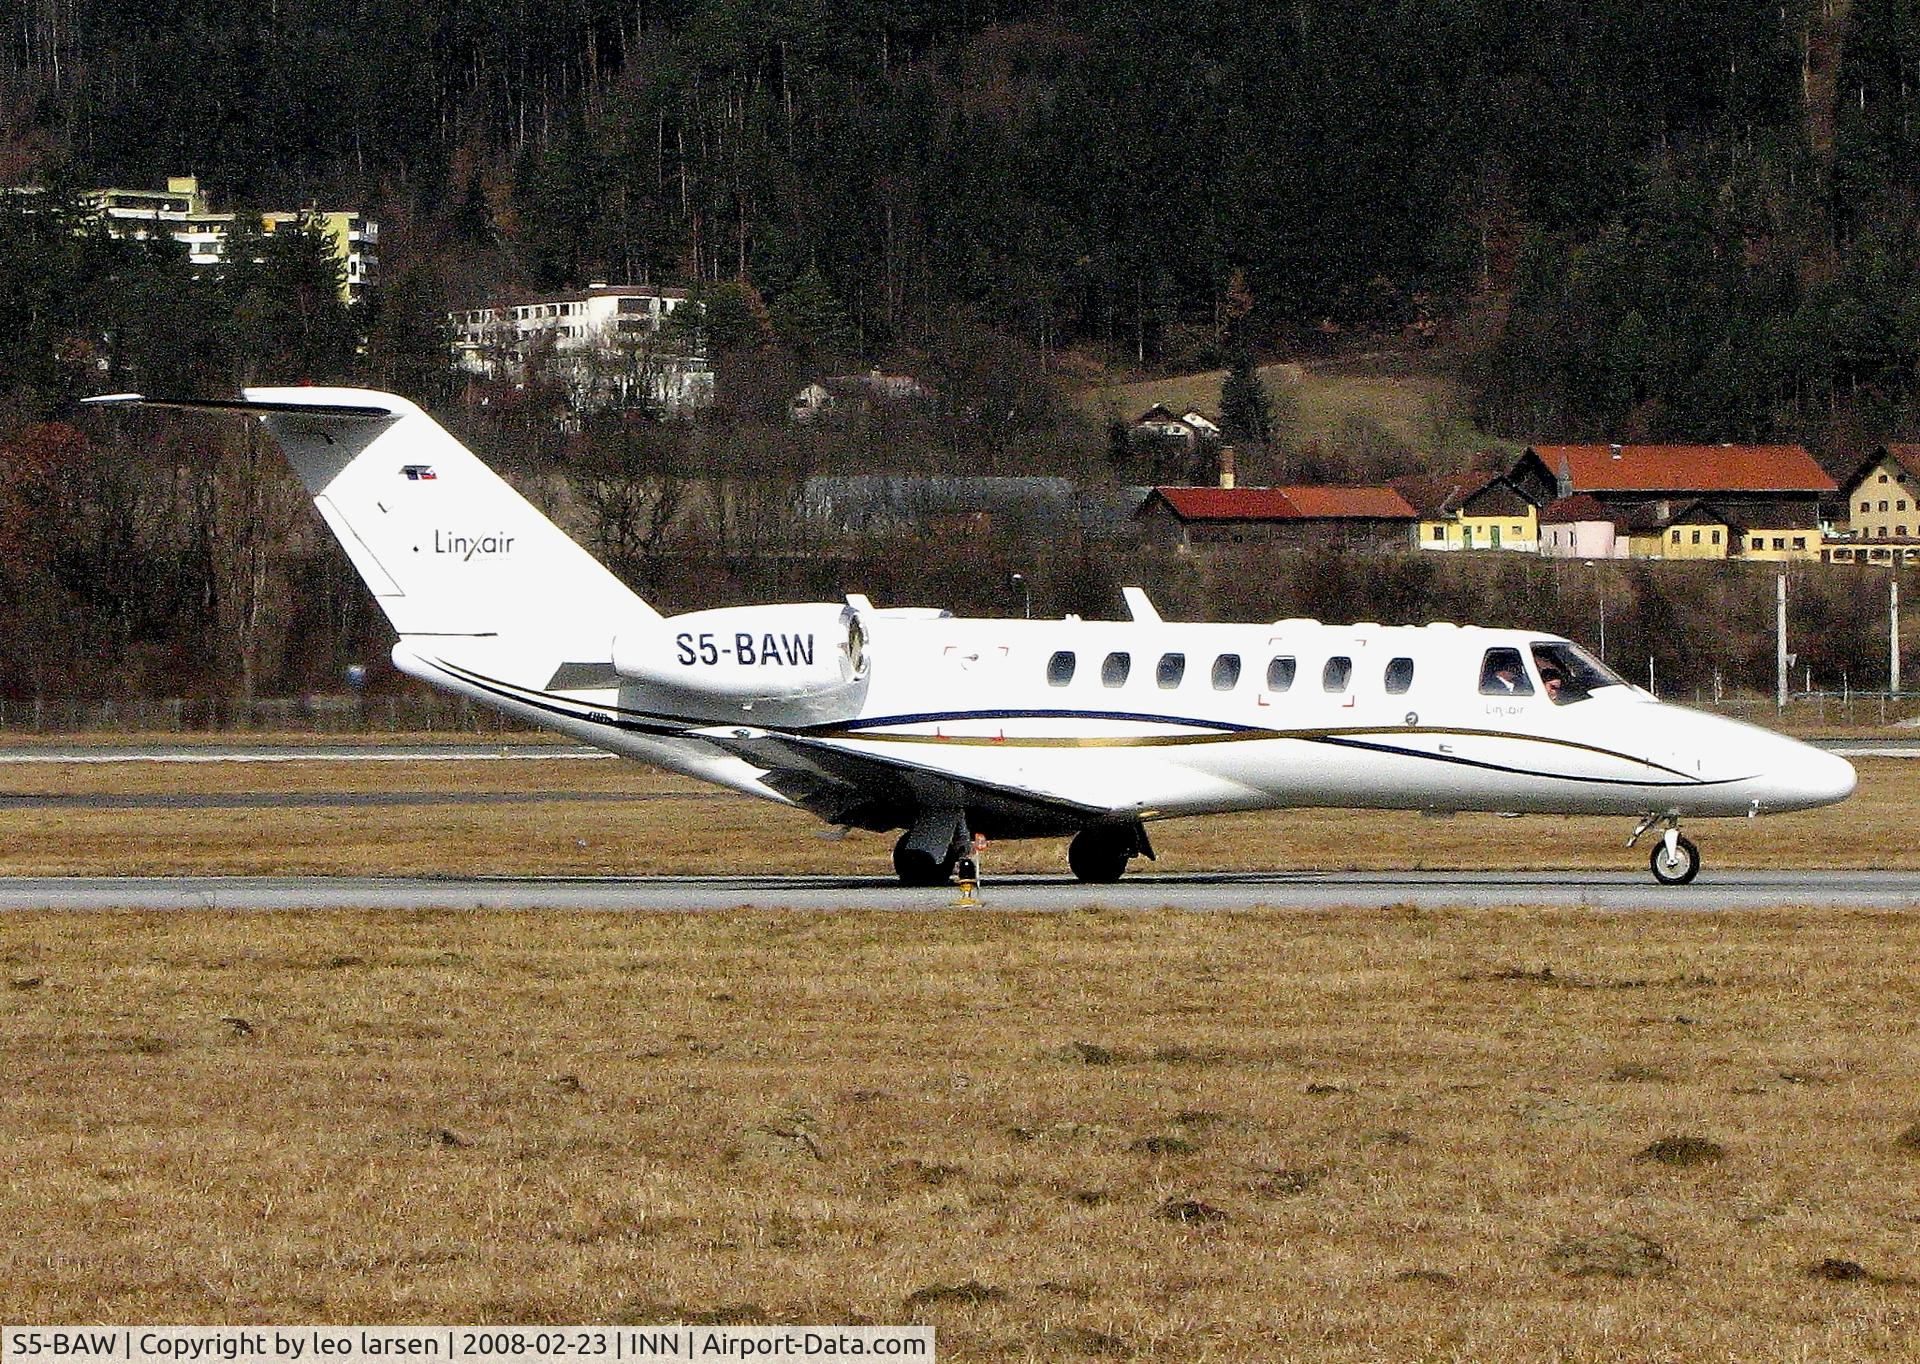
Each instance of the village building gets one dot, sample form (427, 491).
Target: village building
(1496, 515)
(1373, 519)
(1582, 527)
(1741, 501)
(1882, 500)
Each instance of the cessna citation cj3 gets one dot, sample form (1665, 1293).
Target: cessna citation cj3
(947, 728)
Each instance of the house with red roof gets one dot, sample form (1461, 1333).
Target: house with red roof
(1305, 516)
(1688, 501)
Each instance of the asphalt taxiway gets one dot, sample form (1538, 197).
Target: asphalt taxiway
(1605, 891)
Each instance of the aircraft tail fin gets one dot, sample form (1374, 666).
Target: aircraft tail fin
(445, 544)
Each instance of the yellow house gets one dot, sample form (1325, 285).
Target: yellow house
(1768, 532)
(1496, 516)
(1697, 532)
(1882, 501)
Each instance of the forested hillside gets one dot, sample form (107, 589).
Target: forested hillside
(1658, 219)
(1595, 217)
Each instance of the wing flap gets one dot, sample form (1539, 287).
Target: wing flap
(821, 776)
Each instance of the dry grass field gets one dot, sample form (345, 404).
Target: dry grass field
(1368, 1135)
(1379, 1135)
(655, 823)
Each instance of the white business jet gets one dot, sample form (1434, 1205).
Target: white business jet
(949, 728)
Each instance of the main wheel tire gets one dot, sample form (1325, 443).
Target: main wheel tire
(1099, 856)
(917, 868)
(1681, 868)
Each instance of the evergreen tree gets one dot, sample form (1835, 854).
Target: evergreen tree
(1246, 408)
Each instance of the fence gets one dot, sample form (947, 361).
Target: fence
(1864, 709)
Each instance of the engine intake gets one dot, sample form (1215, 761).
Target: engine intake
(810, 656)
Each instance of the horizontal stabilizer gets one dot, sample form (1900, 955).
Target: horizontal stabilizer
(335, 411)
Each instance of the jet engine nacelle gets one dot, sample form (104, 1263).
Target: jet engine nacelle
(812, 655)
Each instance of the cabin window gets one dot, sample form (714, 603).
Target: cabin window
(1883, 504)
(1779, 542)
(1280, 674)
(1226, 672)
(1696, 537)
(1676, 537)
(1060, 668)
(1882, 478)
(1900, 504)
(1113, 672)
(1866, 506)
(1440, 532)
(1502, 674)
(1335, 675)
(1172, 668)
(1399, 676)
(1716, 537)
(1800, 541)
(1756, 542)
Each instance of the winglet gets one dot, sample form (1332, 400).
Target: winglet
(1143, 610)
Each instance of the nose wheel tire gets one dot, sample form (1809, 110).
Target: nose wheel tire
(1678, 869)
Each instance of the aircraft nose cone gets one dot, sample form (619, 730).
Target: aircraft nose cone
(1815, 778)
(1832, 778)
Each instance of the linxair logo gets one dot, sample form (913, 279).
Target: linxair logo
(417, 473)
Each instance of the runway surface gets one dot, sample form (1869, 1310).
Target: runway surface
(1607, 891)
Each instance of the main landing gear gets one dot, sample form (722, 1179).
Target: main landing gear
(1100, 855)
(1675, 860)
(917, 867)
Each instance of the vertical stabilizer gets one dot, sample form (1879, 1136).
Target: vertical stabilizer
(445, 544)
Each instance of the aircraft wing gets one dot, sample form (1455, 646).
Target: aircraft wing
(869, 790)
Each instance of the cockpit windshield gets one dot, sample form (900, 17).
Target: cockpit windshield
(1569, 673)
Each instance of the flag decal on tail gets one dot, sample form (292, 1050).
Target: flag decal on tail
(417, 473)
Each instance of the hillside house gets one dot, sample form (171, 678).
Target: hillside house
(612, 345)
(849, 394)
(183, 212)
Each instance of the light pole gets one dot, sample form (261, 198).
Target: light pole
(1026, 595)
(1600, 595)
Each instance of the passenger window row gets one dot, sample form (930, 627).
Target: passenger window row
(1171, 671)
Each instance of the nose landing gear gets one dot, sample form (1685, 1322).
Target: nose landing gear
(1675, 860)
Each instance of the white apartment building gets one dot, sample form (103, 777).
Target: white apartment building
(614, 345)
